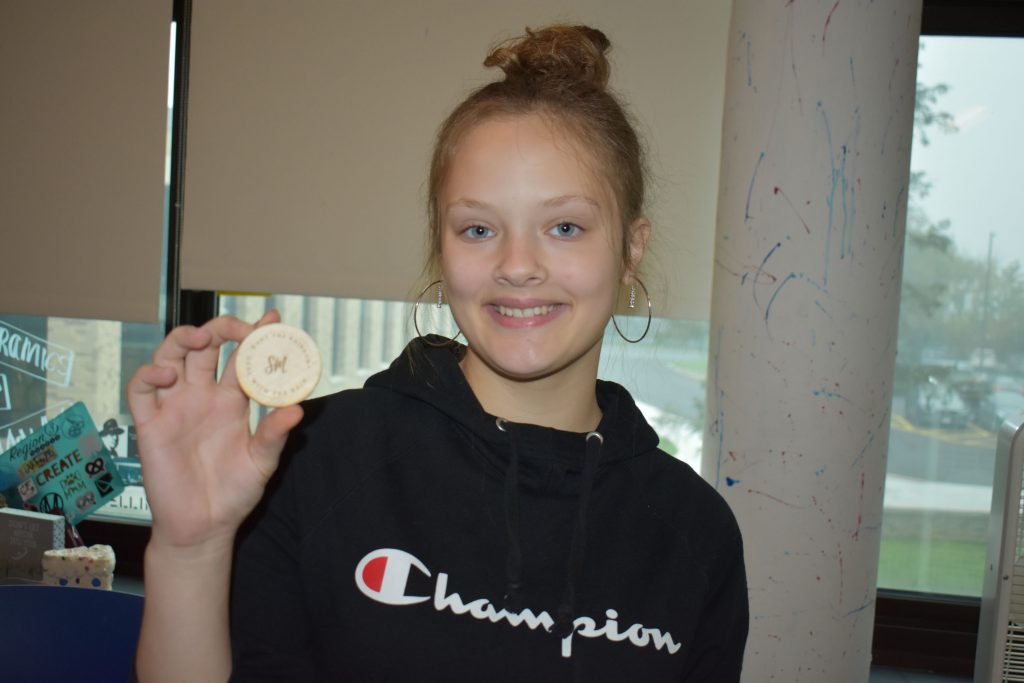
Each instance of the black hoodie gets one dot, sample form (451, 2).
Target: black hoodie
(410, 536)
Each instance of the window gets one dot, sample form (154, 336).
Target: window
(960, 365)
(665, 373)
(49, 363)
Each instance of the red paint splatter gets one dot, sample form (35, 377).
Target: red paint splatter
(841, 575)
(828, 20)
(777, 500)
(779, 191)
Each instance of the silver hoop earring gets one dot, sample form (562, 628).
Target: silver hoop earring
(632, 304)
(415, 316)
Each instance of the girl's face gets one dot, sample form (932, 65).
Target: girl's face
(529, 250)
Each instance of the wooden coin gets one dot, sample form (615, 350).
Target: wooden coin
(277, 365)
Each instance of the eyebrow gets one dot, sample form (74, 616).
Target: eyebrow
(553, 202)
(569, 198)
(467, 203)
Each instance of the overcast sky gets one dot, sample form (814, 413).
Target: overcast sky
(976, 175)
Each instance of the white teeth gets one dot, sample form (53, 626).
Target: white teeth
(524, 312)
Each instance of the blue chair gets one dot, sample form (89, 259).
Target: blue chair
(50, 633)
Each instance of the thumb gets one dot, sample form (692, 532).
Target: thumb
(270, 437)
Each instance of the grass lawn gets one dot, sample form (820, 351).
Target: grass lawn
(937, 566)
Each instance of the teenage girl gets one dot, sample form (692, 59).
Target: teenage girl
(488, 511)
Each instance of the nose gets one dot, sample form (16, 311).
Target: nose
(520, 261)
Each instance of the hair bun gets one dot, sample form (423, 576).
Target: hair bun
(556, 53)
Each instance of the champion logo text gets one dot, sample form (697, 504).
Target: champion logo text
(383, 574)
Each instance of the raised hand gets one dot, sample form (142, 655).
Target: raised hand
(204, 470)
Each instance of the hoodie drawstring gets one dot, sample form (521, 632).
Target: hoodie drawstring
(577, 550)
(514, 561)
(566, 613)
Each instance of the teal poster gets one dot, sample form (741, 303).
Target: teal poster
(63, 468)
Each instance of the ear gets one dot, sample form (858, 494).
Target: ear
(639, 234)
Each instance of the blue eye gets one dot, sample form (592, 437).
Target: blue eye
(566, 230)
(478, 232)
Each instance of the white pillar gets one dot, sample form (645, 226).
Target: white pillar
(815, 164)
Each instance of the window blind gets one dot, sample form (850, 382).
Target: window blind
(310, 126)
(83, 127)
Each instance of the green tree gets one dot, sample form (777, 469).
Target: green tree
(930, 255)
(1005, 326)
(951, 303)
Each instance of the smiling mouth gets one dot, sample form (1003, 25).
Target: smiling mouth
(524, 312)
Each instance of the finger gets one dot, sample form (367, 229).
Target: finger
(271, 316)
(201, 365)
(141, 390)
(229, 379)
(270, 436)
(180, 342)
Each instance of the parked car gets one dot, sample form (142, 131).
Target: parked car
(934, 404)
(997, 407)
(1007, 383)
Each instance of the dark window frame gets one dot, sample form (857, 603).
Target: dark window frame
(912, 630)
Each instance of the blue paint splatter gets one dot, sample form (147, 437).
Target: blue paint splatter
(750, 78)
(830, 200)
(822, 308)
(803, 278)
(750, 190)
(768, 309)
(825, 393)
(860, 609)
(846, 213)
(852, 187)
(731, 482)
(896, 214)
(821, 471)
(721, 413)
(767, 256)
(760, 268)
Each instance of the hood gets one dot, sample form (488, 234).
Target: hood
(432, 375)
